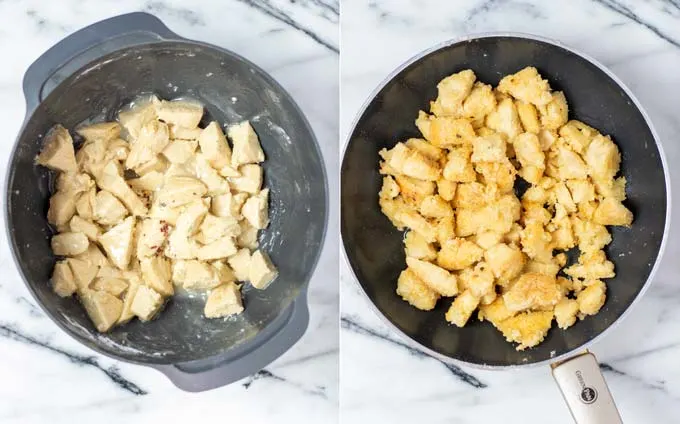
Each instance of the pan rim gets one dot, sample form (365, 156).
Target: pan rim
(152, 360)
(662, 247)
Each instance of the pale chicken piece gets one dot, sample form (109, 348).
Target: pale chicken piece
(153, 233)
(494, 312)
(214, 228)
(224, 273)
(412, 163)
(446, 229)
(536, 242)
(110, 180)
(546, 138)
(581, 190)
(219, 249)
(213, 181)
(462, 308)
(246, 145)
(577, 135)
(69, 244)
(118, 150)
(414, 191)
(603, 158)
(240, 264)
(61, 209)
(153, 138)
(164, 213)
(180, 151)
(529, 153)
(514, 235)
(592, 298)
(179, 114)
(390, 188)
(447, 131)
(592, 266)
(178, 191)
(431, 151)
(158, 164)
(560, 195)
(565, 313)
(214, 146)
(506, 262)
(563, 234)
(261, 271)
(134, 279)
(195, 275)
(63, 282)
(74, 182)
(491, 148)
(480, 102)
(57, 152)
(478, 280)
(526, 85)
(250, 180)
(417, 247)
(528, 115)
(183, 133)
(569, 164)
(614, 189)
(487, 239)
(468, 222)
(590, 236)
(91, 156)
(146, 303)
(114, 286)
(474, 195)
(256, 210)
(413, 290)
(228, 205)
(135, 118)
(612, 212)
(103, 308)
(535, 212)
(180, 246)
(423, 123)
(504, 119)
(438, 279)
(150, 182)
(446, 189)
(417, 223)
(157, 273)
(532, 291)
(555, 114)
(80, 225)
(248, 235)
(391, 208)
(102, 130)
(501, 174)
(527, 328)
(118, 241)
(586, 210)
(84, 272)
(223, 301)
(456, 254)
(535, 194)
(431, 207)
(452, 91)
(93, 256)
(500, 215)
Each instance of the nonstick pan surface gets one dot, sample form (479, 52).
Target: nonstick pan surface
(374, 248)
(151, 59)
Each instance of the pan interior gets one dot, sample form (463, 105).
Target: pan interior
(231, 90)
(375, 249)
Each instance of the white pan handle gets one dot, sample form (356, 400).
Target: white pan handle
(585, 391)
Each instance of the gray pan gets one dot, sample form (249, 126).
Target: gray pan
(90, 75)
(374, 248)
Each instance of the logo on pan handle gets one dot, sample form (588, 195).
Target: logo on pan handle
(588, 394)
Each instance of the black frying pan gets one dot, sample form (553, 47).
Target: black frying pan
(90, 75)
(374, 248)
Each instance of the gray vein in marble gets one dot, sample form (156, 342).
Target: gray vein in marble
(306, 358)
(646, 352)
(463, 376)
(265, 374)
(186, 15)
(330, 11)
(658, 385)
(32, 309)
(628, 13)
(43, 24)
(266, 7)
(113, 372)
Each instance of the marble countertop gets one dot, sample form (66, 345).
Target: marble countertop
(47, 377)
(384, 380)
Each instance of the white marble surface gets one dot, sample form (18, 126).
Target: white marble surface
(45, 376)
(382, 380)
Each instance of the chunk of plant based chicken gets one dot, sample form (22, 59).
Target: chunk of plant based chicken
(413, 290)
(532, 291)
(261, 271)
(61, 209)
(108, 210)
(57, 152)
(452, 91)
(240, 263)
(69, 244)
(223, 300)
(63, 283)
(438, 279)
(100, 131)
(250, 180)
(528, 86)
(146, 303)
(153, 138)
(214, 146)
(256, 209)
(178, 191)
(103, 308)
(117, 242)
(157, 273)
(195, 275)
(462, 308)
(526, 328)
(179, 114)
(247, 147)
